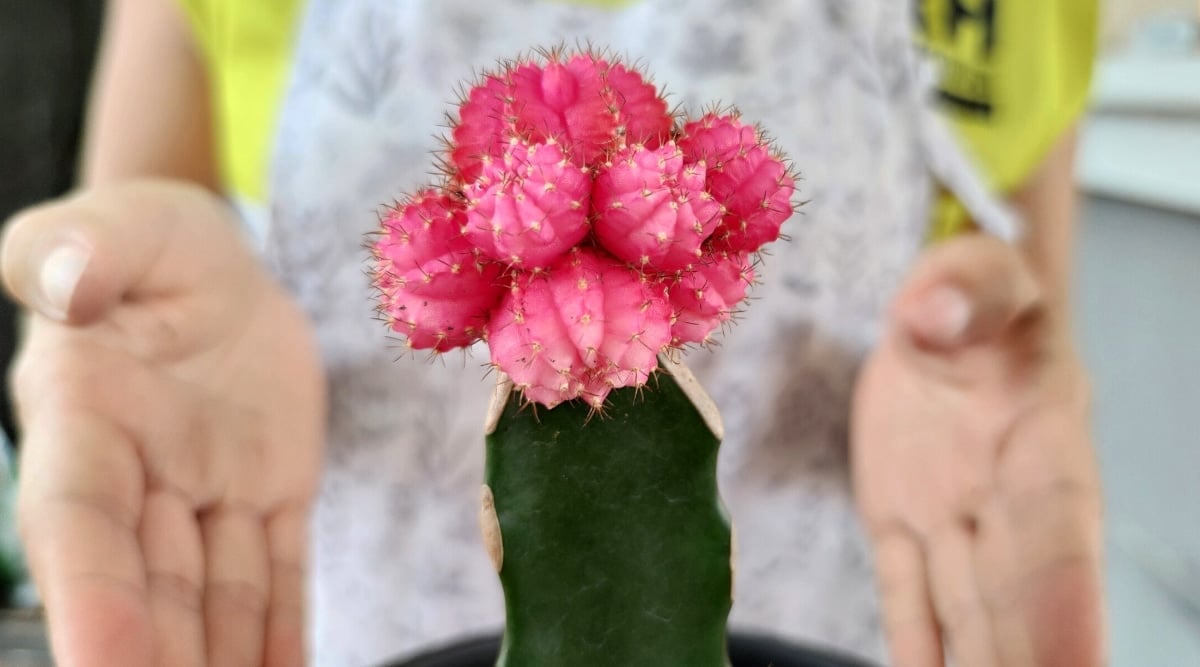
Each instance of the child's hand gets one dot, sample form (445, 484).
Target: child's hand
(173, 412)
(974, 471)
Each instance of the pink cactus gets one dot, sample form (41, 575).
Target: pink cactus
(566, 101)
(584, 327)
(652, 209)
(745, 175)
(641, 110)
(543, 153)
(584, 102)
(716, 138)
(482, 129)
(529, 208)
(433, 289)
(708, 297)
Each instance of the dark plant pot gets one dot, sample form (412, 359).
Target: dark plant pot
(745, 650)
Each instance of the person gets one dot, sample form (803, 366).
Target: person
(219, 446)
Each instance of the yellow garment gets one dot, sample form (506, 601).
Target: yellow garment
(247, 45)
(1014, 77)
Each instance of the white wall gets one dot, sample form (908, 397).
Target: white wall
(1138, 313)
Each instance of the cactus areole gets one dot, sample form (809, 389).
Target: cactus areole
(587, 234)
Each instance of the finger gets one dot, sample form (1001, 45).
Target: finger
(287, 540)
(1052, 504)
(996, 560)
(173, 551)
(147, 430)
(236, 589)
(962, 614)
(1063, 609)
(177, 434)
(79, 511)
(73, 259)
(907, 608)
(1052, 597)
(965, 290)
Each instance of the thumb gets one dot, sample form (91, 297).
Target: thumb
(73, 259)
(963, 291)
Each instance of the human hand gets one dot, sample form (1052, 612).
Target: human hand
(974, 470)
(173, 413)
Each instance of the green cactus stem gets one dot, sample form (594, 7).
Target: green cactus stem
(608, 533)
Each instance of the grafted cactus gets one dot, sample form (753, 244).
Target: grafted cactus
(587, 235)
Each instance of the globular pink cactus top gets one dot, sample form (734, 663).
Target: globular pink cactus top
(582, 229)
(652, 208)
(588, 325)
(529, 207)
(434, 288)
(745, 175)
(588, 103)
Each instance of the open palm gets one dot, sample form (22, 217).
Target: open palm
(974, 471)
(173, 413)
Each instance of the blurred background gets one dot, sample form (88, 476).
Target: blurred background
(46, 53)
(1137, 293)
(1138, 306)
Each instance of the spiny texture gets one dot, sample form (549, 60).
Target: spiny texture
(588, 325)
(483, 129)
(706, 298)
(583, 101)
(564, 100)
(530, 207)
(433, 288)
(642, 116)
(652, 209)
(745, 175)
(578, 229)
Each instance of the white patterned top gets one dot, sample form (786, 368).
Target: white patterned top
(399, 564)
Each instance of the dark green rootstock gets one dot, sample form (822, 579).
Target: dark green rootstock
(615, 544)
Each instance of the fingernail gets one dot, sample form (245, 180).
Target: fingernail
(59, 276)
(946, 313)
